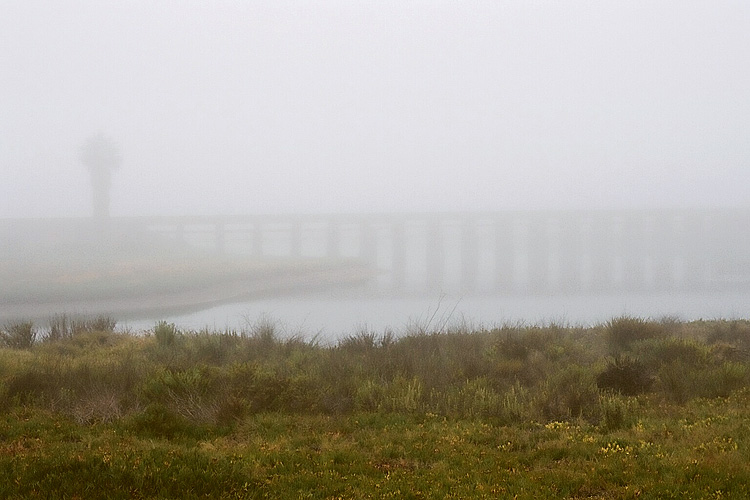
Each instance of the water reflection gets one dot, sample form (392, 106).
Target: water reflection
(336, 314)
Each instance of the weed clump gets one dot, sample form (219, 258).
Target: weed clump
(617, 412)
(19, 335)
(165, 334)
(569, 394)
(63, 327)
(624, 331)
(625, 375)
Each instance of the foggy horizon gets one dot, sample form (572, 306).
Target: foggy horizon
(332, 106)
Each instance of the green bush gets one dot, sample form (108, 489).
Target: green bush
(622, 332)
(259, 386)
(681, 381)
(516, 405)
(159, 421)
(570, 393)
(735, 332)
(62, 326)
(402, 395)
(625, 375)
(18, 335)
(31, 385)
(475, 398)
(617, 412)
(166, 334)
(369, 396)
(212, 348)
(657, 352)
(190, 393)
(676, 381)
(723, 379)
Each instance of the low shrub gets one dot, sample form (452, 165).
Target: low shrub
(97, 405)
(568, 394)
(189, 393)
(625, 375)
(402, 395)
(516, 405)
(18, 335)
(212, 348)
(622, 332)
(159, 421)
(723, 379)
(63, 327)
(680, 381)
(617, 412)
(657, 352)
(735, 332)
(475, 398)
(165, 333)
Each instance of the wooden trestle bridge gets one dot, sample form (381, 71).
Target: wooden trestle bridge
(504, 252)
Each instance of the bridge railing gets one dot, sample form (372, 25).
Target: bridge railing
(536, 252)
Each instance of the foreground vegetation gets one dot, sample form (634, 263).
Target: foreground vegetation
(627, 409)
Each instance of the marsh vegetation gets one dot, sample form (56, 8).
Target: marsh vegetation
(616, 410)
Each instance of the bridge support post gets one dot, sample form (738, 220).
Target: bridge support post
(368, 250)
(602, 249)
(333, 241)
(220, 238)
(295, 235)
(434, 257)
(469, 255)
(398, 256)
(256, 244)
(570, 252)
(504, 254)
(538, 250)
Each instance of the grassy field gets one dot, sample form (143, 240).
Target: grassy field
(627, 409)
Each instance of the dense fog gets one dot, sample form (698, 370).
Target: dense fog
(441, 157)
(341, 106)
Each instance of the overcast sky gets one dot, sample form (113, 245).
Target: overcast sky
(331, 106)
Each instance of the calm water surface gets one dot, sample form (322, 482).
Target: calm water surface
(338, 314)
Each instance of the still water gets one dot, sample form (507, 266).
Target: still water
(340, 313)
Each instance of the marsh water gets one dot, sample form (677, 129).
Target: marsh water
(340, 313)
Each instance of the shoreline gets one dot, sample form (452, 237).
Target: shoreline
(195, 298)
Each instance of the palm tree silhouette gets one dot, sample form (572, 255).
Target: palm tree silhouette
(102, 157)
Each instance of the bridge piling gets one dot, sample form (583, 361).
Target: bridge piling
(512, 252)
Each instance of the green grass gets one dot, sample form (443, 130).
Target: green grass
(512, 412)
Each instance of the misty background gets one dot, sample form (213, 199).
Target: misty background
(340, 106)
(353, 107)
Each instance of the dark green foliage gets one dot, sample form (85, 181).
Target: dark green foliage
(532, 412)
(365, 340)
(29, 386)
(617, 412)
(159, 421)
(63, 326)
(735, 332)
(19, 335)
(569, 394)
(680, 381)
(657, 352)
(622, 332)
(510, 374)
(102, 323)
(625, 375)
(165, 333)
